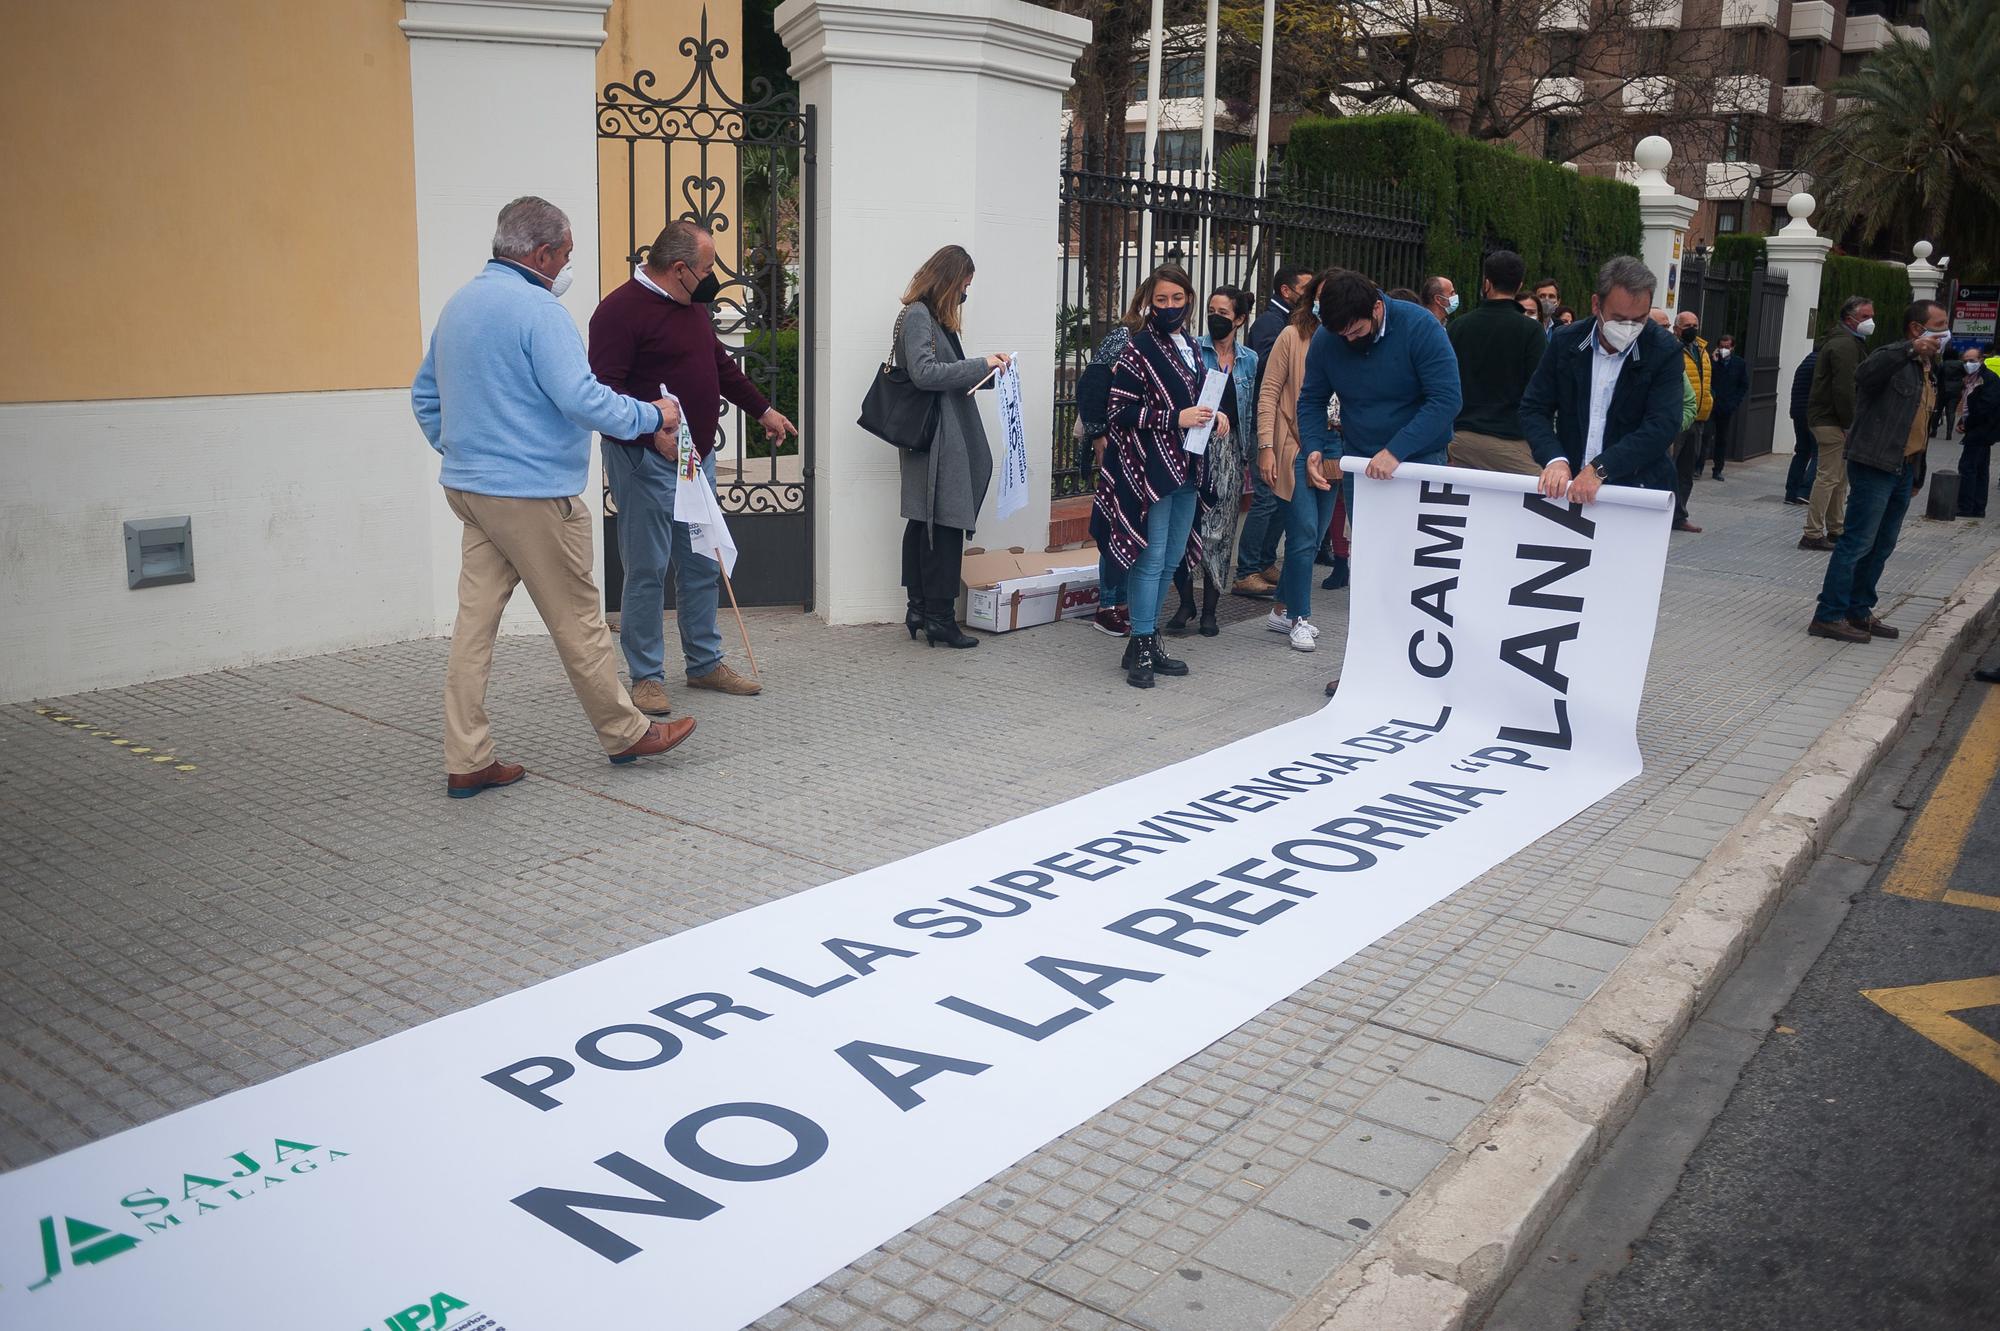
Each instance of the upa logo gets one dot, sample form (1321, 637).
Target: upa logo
(68, 1242)
(428, 1316)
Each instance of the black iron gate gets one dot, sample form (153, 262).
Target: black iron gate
(1746, 301)
(744, 170)
(1220, 227)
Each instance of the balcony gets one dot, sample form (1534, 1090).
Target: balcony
(1781, 195)
(1565, 16)
(1920, 36)
(1655, 14)
(1742, 95)
(1812, 21)
(1559, 96)
(1649, 96)
(1804, 103)
(1865, 32)
(1749, 13)
(1729, 180)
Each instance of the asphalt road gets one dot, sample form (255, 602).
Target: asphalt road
(1809, 1159)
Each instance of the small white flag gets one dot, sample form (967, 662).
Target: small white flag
(695, 503)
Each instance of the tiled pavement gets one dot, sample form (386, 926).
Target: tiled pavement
(167, 935)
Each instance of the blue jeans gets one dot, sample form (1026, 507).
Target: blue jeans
(1306, 519)
(1168, 523)
(1262, 526)
(1805, 462)
(649, 543)
(1110, 582)
(1876, 503)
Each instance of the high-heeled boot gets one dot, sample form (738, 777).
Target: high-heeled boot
(913, 617)
(941, 626)
(1211, 596)
(1184, 584)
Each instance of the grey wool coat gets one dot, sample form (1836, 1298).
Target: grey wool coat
(946, 485)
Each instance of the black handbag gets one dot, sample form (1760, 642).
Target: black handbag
(896, 410)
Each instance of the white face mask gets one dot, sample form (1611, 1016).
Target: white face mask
(1618, 333)
(1722, 353)
(1866, 328)
(1938, 335)
(562, 280)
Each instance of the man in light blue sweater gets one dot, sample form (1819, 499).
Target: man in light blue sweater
(506, 396)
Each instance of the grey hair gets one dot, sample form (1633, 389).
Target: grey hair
(679, 241)
(1627, 274)
(1851, 304)
(527, 224)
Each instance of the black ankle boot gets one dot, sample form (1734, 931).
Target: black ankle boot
(1164, 664)
(1338, 578)
(1138, 661)
(941, 626)
(1178, 625)
(1210, 597)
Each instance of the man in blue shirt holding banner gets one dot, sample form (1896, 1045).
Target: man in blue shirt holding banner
(506, 397)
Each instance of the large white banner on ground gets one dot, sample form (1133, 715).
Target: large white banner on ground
(684, 1136)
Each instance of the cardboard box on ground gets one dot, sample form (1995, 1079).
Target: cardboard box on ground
(1012, 589)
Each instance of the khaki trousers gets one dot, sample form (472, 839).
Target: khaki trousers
(545, 543)
(1486, 452)
(1827, 516)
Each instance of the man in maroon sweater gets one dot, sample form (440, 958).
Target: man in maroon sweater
(655, 330)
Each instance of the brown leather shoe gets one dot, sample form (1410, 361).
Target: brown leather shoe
(1256, 585)
(1332, 687)
(1270, 574)
(464, 785)
(1875, 628)
(1687, 526)
(1815, 543)
(650, 697)
(724, 680)
(659, 737)
(1837, 629)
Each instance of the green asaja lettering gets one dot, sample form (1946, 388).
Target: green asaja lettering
(87, 1245)
(425, 1316)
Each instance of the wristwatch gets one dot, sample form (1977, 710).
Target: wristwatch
(1597, 465)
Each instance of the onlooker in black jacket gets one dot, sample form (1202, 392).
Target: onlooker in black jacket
(1805, 449)
(1982, 431)
(1730, 384)
(1498, 352)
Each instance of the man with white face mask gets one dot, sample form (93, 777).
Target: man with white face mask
(506, 397)
(1829, 414)
(1604, 406)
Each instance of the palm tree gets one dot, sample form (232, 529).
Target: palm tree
(1916, 148)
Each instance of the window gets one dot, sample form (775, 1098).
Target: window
(1180, 76)
(1851, 62)
(1802, 62)
(1735, 139)
(1565, 53)
(1180, 149)
(1728, 218)
(1652, 50)
(1744, 53)
(1793, 141)
(1558, 133)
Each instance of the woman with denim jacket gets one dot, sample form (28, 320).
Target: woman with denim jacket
(1222, 349)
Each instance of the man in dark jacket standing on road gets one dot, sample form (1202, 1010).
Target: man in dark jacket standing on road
(1894, 390)
(1730, 385)
(1829, 413)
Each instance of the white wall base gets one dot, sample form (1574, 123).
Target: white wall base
(313, 529)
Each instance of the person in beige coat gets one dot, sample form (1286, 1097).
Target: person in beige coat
(1278, 414)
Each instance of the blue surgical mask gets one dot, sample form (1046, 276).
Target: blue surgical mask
(1451, 303)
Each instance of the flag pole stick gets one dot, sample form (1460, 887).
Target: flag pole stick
(743, 628)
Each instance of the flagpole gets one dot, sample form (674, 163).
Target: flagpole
(741, 627)
(1155, 39)
(1208, 143)
(1258, 182)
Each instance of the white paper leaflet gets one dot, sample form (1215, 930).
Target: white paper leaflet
(1013, 495)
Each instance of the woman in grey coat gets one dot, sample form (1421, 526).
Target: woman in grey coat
(944, 486)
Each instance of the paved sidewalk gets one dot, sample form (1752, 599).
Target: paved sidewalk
(167, 935)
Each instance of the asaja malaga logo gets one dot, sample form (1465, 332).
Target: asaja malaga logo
(426, 1316)
(68, 1242)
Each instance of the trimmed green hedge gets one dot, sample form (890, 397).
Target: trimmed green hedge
(1480, 198)
(1887, 284)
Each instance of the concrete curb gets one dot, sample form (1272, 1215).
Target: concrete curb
(1443, 1259)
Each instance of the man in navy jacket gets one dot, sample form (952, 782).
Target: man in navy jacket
(1605, 405)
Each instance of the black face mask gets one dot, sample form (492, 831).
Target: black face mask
(1166, 321)
(705, 290)
(1220, 326)
(1687, 335)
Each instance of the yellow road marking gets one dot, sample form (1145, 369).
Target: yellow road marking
(1927, 1008)
(130, 746)
(1931, 851)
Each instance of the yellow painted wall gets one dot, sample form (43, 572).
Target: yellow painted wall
(647, 34)
(206, 196)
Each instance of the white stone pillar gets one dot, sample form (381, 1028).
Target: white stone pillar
(503, 97)
(1799, 253)
(937, 125)
(1663, 218)
(1925, 276)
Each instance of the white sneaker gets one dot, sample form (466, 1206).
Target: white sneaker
(1304, 636)
(1278, 623)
